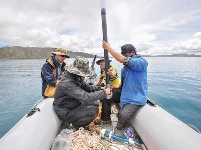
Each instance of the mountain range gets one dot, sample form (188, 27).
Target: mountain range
(18, 52)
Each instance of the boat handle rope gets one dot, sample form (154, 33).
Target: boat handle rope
(151, 103)
(34, 109)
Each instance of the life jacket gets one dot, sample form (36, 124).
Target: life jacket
(115, 81)
(49, 90)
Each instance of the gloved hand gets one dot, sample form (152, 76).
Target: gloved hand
(90, 88)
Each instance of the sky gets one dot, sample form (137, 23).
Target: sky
(154, 27)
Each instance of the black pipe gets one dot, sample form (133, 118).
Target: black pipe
(104, 29)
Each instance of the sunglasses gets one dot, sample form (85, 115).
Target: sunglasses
(63, 56)
(126, 54)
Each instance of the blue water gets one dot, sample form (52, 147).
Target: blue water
(174, 83)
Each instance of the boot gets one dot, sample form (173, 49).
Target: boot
(100, 121)
(120, 125)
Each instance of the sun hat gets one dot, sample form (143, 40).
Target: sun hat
(80, 67)
(101, 59)
(61, 51)
(127, 48)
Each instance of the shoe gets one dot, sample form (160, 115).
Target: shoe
(120, 125)
(64, 125)
(100, 121)
(119, 133)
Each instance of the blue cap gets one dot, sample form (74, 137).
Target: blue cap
(127, 48)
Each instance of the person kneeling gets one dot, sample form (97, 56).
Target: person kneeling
(74, 100)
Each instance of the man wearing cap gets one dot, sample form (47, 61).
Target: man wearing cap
(52, 70)
(114, 82)
(134, 85)
(74, 99)
(114, 78)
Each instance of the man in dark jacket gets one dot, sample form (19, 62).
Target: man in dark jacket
(73, 99)
(52, 70)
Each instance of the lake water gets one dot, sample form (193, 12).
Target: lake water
(174, 84)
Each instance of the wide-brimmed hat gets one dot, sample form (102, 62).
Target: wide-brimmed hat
(101, 59)
(61, 51)
(127, 48)
(80, 67)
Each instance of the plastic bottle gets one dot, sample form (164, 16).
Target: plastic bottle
(128, 133)
(108, 135)
(63, 140)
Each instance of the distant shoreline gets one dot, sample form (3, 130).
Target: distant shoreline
(18, 52)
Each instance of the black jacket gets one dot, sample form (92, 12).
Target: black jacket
(70, 93)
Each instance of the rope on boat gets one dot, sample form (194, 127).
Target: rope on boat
(114, 109)
(91, 140)
(34, 109)
(194, 128)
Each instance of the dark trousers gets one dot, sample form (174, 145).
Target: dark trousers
(80, 116)
(106, 104)
(125, 112)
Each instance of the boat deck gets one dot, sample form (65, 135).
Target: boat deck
(85, 140)
(94, 139)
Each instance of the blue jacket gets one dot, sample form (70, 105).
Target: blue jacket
(134, 76)
(49, 72)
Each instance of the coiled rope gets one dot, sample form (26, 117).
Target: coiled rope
(92, 140)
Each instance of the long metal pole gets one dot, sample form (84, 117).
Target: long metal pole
(104, 29)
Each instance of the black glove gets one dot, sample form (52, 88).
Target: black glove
(90, 88)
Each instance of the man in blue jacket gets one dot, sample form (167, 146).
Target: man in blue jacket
(52, 70)
(133, 91)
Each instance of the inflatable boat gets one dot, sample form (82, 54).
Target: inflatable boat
(157, 129)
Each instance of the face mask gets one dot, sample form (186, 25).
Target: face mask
(80, 79)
